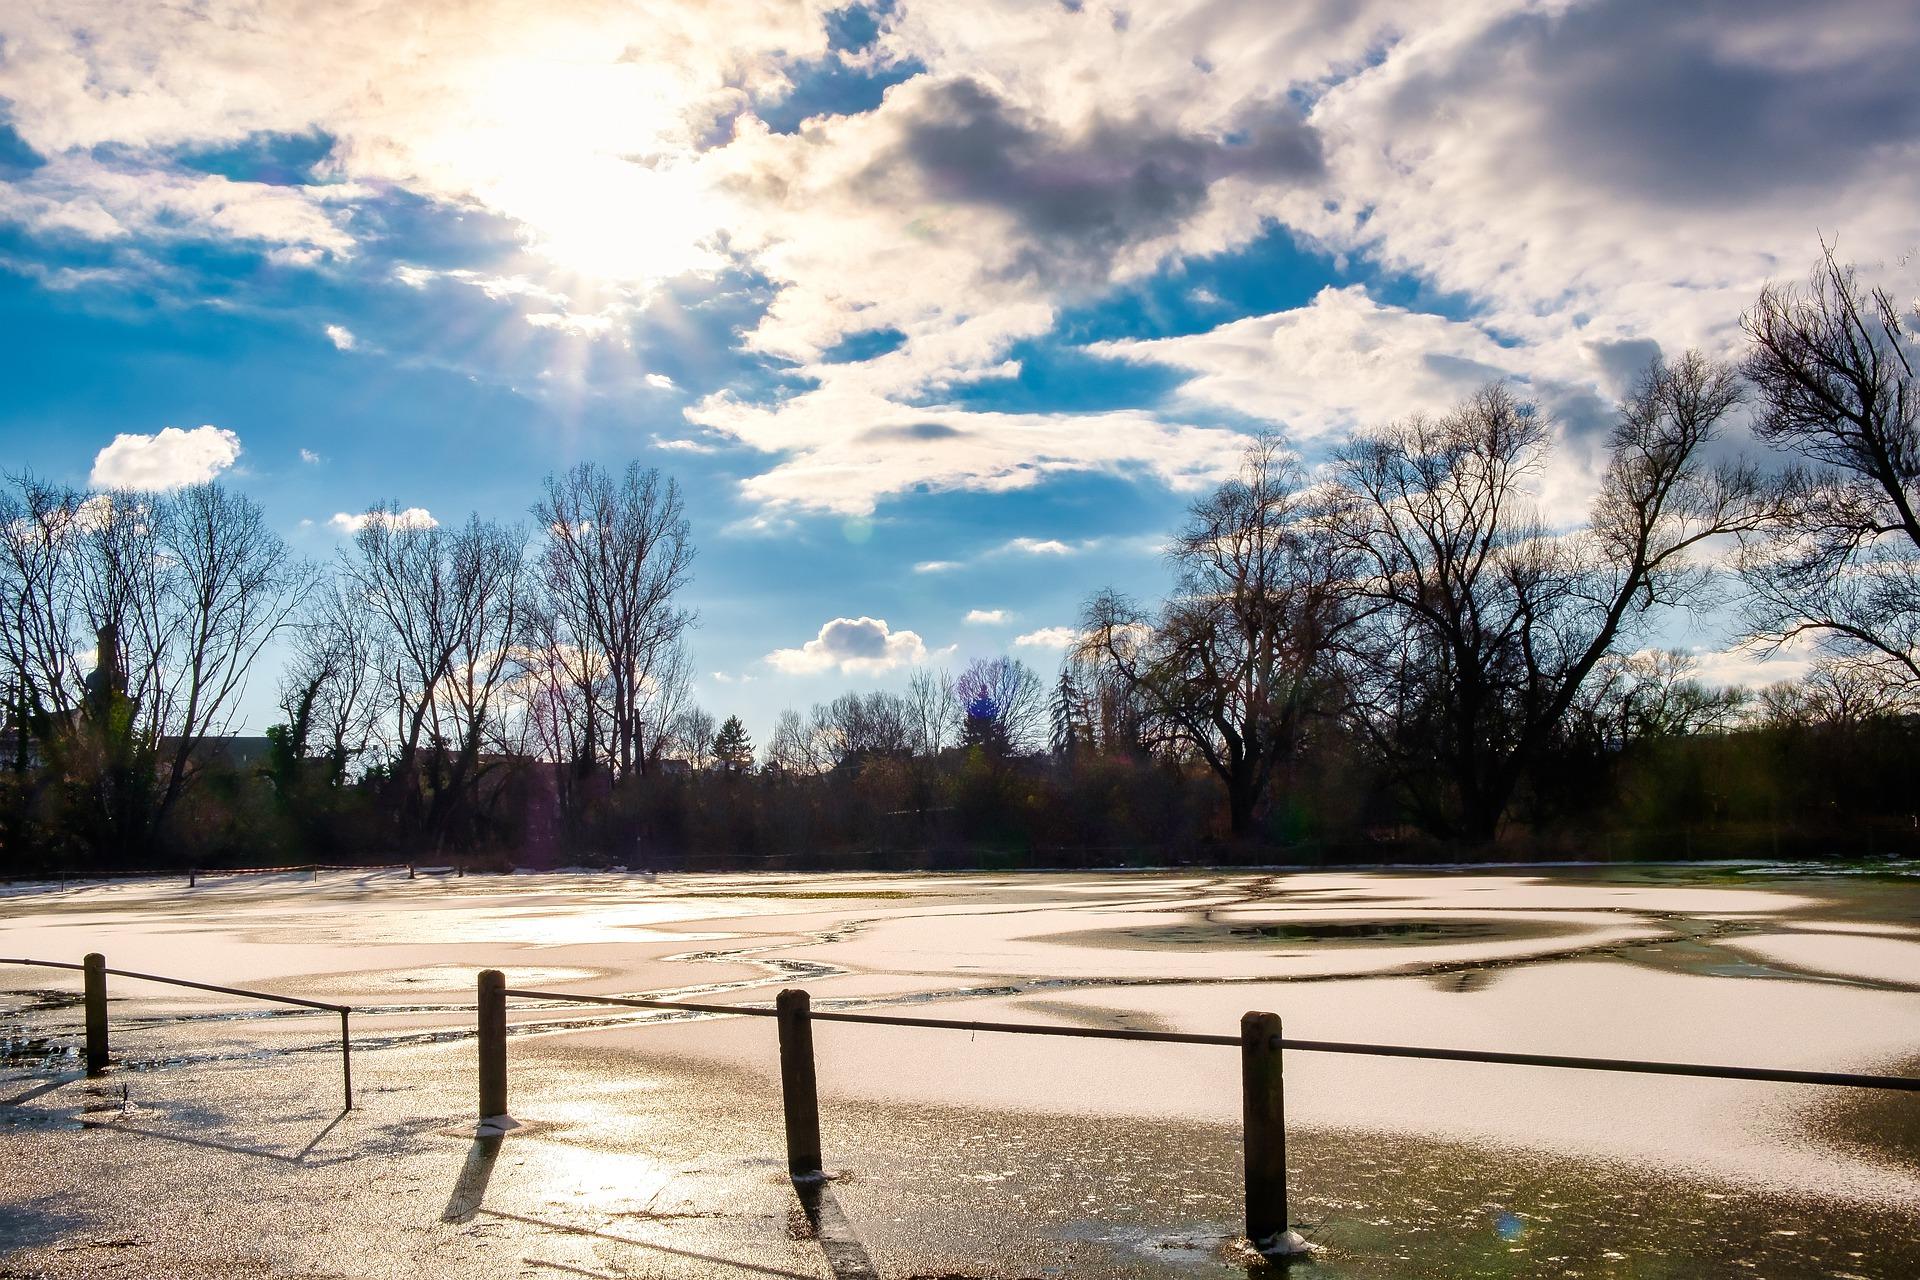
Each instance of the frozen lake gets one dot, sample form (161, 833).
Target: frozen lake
(651, 1143)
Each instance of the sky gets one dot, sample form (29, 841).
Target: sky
(940, 313)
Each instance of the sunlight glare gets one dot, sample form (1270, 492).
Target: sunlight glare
(595, 160)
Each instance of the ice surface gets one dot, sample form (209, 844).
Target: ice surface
(649, 1143)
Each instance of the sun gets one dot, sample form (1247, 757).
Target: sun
(595, 160)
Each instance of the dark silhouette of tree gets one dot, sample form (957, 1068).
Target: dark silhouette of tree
(614, 558)
(855, 728)
(1236, 660)
(1481, 624)
(1833, 364)
(732, 748)
(1067, 717)
(692, 733)
(999, 705)
(177, 593)
(447, 605)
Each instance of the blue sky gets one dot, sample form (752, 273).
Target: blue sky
(933, 311)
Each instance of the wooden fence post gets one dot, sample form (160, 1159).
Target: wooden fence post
(799, 1094)
(493, 1044)
(94, 970)
(1265, 1136)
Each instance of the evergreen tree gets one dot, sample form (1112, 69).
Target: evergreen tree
(1066, 702)
(732, 748)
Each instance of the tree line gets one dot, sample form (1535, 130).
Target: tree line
(1393, 646)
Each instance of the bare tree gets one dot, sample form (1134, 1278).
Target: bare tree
(332, 691)
(39, 606)
(930, 711)
(448, 608)
(692, 732)
(1838, 692)
(1653, 694)
(1236, 660)
(230, 585)
(789, 751)
(1000, 703)
(855, 728)
(176, 593)
(1481, 624)
(1833, 363)
(615, 556)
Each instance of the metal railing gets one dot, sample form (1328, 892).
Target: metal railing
(94, 972)
(1260, 1042)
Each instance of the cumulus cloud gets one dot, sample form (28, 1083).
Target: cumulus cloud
(659, 382)
(1049, 638)
(986, 617)
(167, 459)
(342, 337)
(863, 646)
(1078, 196)
(410, 518)
(1671, 162)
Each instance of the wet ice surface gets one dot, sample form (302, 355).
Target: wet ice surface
(650, 1144)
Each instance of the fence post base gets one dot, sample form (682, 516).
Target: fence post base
(93, 967)
(799, 1094)
(493, 1045)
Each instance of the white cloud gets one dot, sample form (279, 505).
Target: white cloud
(167, 459)
(1049, 638)
(986, 617)
(1563, 174)
(599, 325)
(410, 518)
(845, 453)
(78, 196)
(539, 114)
(1340, 362)
(659, 382)
(865, 646)
(684, 446)
(1752, 668)
(309, 457)
(342, 337)
(1038, 547)
(937, 566)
